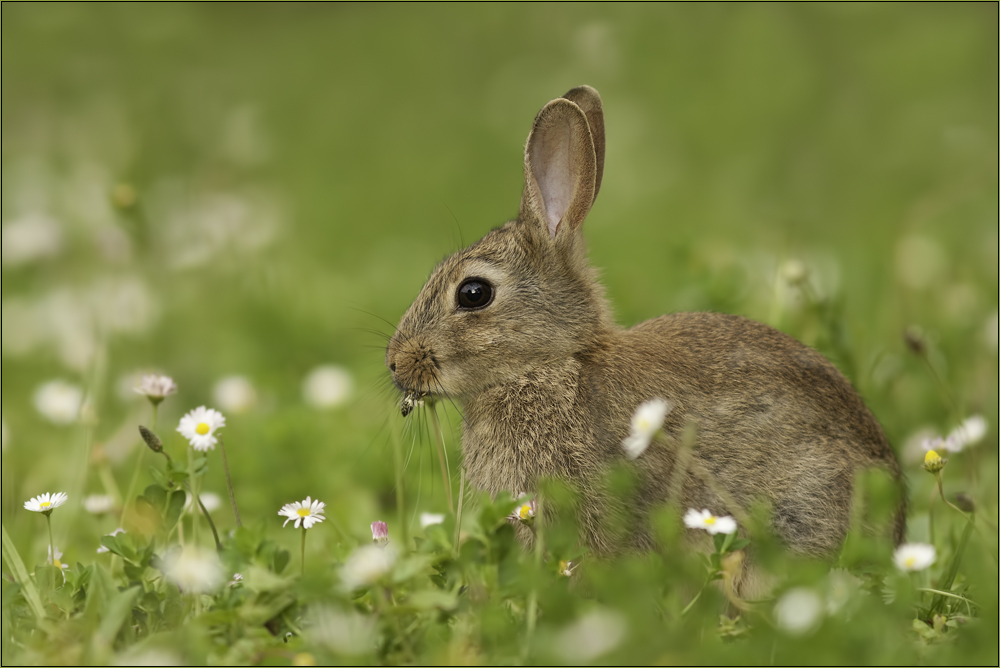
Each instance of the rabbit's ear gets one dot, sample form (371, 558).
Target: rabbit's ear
(560, 168)
(590, 103)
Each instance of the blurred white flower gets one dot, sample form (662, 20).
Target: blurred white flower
(970, 432)
(236, 581)
(327, 387)
(98, 504)
(304, 513)
(646, 422)
(235, 394)
(194, 570)
(380, 533)
(345, 633)
(199, 428)
(104, 550)
(46, 503)
(799, 611)
(28, 239)
(56, 561)
(590, 637)
(794, 271)
(430, 519)
(991, 333)
(706, 521)
(59, 402)
(367, 565)
(156, 388)
(912, 557)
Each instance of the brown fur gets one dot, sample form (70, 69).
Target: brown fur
(550, 382)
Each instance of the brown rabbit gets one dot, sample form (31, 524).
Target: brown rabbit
(518, 328)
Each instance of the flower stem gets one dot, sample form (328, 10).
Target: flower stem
(304, 532)
(52, 543)
(138, 469)
(195, 494)
(229, 482)
(539, 559)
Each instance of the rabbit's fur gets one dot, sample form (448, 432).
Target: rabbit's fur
(550, 382)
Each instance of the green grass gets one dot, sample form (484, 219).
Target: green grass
(298, 170)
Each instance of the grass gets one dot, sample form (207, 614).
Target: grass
(260, 190)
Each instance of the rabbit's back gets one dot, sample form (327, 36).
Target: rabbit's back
(775, 420)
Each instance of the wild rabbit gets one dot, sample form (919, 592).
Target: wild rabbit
(517, 327)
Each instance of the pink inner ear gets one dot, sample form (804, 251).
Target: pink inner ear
(553, 170)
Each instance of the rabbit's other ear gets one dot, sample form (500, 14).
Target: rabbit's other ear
(589, 101)
(560, 169)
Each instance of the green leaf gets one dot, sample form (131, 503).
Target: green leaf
(156, 496)
(119, 610)
(281, 559)
(13, 559)
(418, 564)
(175, 508)
(433, 599)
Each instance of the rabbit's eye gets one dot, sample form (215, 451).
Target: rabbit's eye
(475, 293)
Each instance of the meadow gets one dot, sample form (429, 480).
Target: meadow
(246, 197)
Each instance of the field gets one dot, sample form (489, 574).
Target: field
(247, 197)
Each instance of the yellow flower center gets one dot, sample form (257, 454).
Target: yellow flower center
(202, 429)
(46, 504)
(710, 521)
(910, 562)
(57, 563)
(931, 457)
(303, 512)
(525, 512)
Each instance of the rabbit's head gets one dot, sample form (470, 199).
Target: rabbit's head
(524, 294)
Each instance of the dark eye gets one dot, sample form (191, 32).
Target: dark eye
(475, 293)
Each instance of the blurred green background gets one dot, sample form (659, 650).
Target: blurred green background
(220, 190)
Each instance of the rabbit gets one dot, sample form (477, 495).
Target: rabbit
(518, 329)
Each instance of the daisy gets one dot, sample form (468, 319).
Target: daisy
(304, 513)
(646, 422)
(199, 427)
(156, 388)
(46, 503)
(913, 557)
(59, 402)
(380, 533)
(706, 521)
(799, 611)
(970, 432)
(366, 566)
(56, 561)
(104, 550)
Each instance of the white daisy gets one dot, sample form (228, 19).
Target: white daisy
(646, 422)
(98, 504)
(156, 388)
(194, 570)
(706, 521)
(380, 533)
(46, 503)
(430, 519)
(59, 402)
(303, 513)
(525, 512)
(593, 635)
(913, 557)
(367, 565)
(57, 561)
(199, 427)
(798, 611)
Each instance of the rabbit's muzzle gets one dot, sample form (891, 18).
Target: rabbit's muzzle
(414, 366)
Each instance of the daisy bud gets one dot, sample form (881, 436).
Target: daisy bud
(933, 462)
(152, 440)
(965, 503)
(380, 533)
